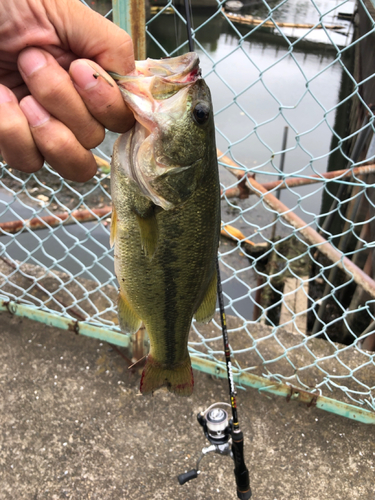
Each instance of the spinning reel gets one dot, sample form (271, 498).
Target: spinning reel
(225, 440)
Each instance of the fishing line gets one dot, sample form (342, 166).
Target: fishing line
(188, 26)
(176, 28)
(216, 427)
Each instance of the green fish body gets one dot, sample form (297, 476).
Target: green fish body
(166, 214)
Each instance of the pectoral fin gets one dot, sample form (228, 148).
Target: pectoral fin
(112, 235)
(128, 320)
(149, 231)
(206, 310)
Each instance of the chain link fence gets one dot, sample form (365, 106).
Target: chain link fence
(293, 86)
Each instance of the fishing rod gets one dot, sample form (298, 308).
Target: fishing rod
(240, 470)
(225, 435)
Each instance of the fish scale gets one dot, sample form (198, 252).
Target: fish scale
(166, 242)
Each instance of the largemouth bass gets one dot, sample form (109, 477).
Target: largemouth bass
(166, 214)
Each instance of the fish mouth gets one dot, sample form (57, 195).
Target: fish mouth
(155, 79)
(150, 90)
(180, 70)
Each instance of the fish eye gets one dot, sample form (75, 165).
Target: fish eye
(201, 112)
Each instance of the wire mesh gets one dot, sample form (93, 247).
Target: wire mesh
(292, 85)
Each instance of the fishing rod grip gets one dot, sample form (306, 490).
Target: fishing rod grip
(240, 470)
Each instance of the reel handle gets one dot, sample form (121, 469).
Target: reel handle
(187, 476)
(240, 470)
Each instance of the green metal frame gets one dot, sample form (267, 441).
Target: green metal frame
(130, 16)
(120, 13)
(291, 393)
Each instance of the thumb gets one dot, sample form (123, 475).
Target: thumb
(89, 35)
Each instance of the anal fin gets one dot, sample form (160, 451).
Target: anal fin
(206, 310)
(128, 319)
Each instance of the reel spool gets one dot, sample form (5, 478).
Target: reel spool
(217, 425)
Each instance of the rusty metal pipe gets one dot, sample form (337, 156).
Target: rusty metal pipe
(298, 181)
(94, 214)
(312, 236)
(55, 220)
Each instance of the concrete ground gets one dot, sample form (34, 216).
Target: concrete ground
(73, 426)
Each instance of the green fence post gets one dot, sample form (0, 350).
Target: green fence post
(130, 15)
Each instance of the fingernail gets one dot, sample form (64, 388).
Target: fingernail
(36, 115)
(83, 75)
(31, 60)
(5, 94)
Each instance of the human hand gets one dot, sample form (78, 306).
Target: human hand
(68, 108)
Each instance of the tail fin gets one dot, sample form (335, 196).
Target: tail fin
(179, 380)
